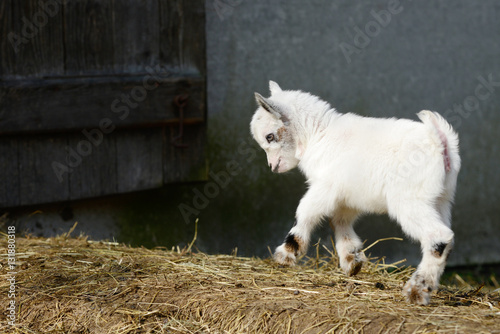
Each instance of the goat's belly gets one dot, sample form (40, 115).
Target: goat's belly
(365, 202)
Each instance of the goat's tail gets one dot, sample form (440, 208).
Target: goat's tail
(448, 137)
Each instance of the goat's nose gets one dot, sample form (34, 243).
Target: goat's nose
(271, 166)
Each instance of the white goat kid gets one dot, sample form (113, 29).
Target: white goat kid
(357, 165)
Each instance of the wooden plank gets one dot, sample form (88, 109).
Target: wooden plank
(74, 104)
(54, 168)
(88, 37)
(9, 172)
(41, 169)
(31, 38)
(189, 163)
(193, 39)
(8, 40)
(136, 35)
(139, 160)
(182, 38)
(38, 180)
(95, 173)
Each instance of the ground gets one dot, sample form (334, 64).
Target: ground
(74, 285)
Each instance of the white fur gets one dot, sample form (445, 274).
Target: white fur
(357, 165)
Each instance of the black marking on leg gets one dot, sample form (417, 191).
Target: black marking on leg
(291, 243)
(438, 249)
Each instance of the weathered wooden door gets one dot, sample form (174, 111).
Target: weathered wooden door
(87, 97)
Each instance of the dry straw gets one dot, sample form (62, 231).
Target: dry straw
(74, 285)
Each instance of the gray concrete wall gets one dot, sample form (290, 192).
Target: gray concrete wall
(376, 58)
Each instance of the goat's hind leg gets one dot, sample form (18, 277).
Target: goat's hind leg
(347, 243)
(436, 240)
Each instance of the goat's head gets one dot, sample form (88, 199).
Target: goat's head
(270, 127)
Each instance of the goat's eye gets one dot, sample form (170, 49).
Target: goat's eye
(270, 137)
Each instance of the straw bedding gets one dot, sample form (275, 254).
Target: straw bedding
(73, 285)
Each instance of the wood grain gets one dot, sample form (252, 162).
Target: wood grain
(86, 99)
(80, 103)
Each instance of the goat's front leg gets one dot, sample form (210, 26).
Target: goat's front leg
(312, 208)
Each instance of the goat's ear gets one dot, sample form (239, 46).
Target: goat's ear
(274, 87)
(272, 108)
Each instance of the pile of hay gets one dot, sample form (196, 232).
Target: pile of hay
(73, 285)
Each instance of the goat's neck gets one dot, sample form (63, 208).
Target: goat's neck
(311, 124)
